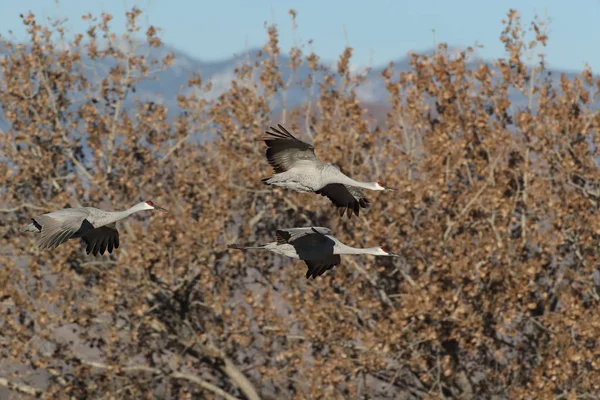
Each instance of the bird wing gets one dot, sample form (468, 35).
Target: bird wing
(284, 150)
(288, 235)
(318, 267)
(59, 226)
(346, 198)
(311, 238)
(99, 239)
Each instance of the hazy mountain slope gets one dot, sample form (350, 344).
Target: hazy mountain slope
(170, 82)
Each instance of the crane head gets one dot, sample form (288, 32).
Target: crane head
(386, 252)
(152, 206)
(381, 186)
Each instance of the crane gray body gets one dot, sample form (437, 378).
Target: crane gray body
(314, 245)
(96, 227)
(297, 168)
(309, 176)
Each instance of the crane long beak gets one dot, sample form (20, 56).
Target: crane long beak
(160, 208)
(390, 189)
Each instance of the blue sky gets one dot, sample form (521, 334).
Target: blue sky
(378, 30)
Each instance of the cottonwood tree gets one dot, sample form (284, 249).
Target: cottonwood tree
(496, 292)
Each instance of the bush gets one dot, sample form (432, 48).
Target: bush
(496, 294)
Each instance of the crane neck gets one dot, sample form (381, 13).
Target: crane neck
(338, 176)
(114, 216)
(344, 249)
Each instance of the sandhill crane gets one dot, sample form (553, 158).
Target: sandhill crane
(315, 246)
(96, 227)
(298, 168)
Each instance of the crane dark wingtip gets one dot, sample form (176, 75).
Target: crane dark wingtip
(36, 224)
(282, 128)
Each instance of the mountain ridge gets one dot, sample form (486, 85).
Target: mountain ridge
(173, 81)
(221, 73)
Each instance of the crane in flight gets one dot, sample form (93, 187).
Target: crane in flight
(96, 227)
(297, 167)
(315, 246)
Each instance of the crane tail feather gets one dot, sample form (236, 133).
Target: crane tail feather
(32, 227)
(240, 247)
(28, 228)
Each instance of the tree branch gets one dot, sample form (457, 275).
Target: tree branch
(382, 294)
(173, 375)
(69, 153)
(118, 108)
(21, 388)
(229, 368)
(464, 210)
(239, 379)
(23, 205)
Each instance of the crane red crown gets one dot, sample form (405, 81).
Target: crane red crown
(385, 249)
(151, 204)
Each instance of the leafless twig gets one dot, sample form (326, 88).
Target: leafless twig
(21, 388)
(382, 294)
(173, 375)
(23, 205)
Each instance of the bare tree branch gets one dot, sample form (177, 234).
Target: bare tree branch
(21, 388)
(236, 376)
(382, 294)
(23, 205)
(173, 375)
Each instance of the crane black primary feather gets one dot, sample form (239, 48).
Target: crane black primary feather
(283, 149)
(282, 237)
(319, 267)
(100, 239)
(37, 225)
(348, 199)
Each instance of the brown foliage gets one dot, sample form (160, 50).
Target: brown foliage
(497, 291)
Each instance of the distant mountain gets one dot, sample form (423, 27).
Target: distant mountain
(173, 81)
(221, 73)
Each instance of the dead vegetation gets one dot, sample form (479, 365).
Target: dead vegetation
(496, 295)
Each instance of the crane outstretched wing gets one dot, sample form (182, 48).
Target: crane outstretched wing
(284, 150)
(311, 238)
(59, 226)
(318, 267)
(348, 199)
(100, 239)
(288, 235)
